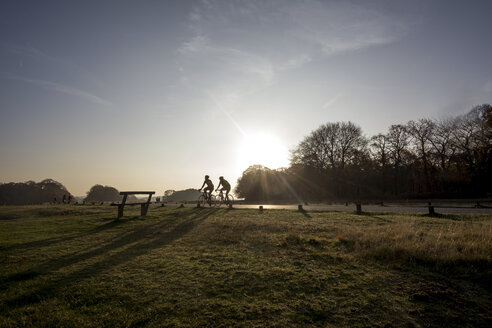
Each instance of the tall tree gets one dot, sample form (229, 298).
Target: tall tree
(467, 134)
(442, 142)
(379, 146)
(332, 145)
(398, 142)
(421, 132)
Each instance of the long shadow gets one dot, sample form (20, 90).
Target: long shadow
(54, 240)
(453, 217)
(376, 217)
(67, 260)
(108, 224)
(73, 258)
(123, 256)
(305, 213)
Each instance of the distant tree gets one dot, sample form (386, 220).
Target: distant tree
(421, 132)
(379, 146)
(31, 192)
(442, 142)
(398, 142)
(484, 150)
(314, 151)
(467, 134)
(181, 195)
(259, 183)
(169, 192)
(99, 193)
(332, 145)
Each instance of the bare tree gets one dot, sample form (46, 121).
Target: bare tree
(351, 143)
(421, 132)
(398, 142)
(311, 152)
(467, 133)
(380, 149)
(332, 145)
(442, 142)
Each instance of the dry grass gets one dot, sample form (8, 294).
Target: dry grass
(65, 266)
(459, 246)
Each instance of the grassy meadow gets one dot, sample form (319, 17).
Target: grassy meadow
(76, 266)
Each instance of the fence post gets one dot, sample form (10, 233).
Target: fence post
(120, 210)
(359, 208)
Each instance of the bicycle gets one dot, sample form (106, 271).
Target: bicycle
(205, 199)
(222, 199)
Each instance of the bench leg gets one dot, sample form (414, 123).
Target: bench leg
(143, 209)
(120, 211)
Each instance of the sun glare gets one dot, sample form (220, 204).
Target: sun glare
(264, 149)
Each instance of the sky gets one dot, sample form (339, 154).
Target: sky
(153, 95)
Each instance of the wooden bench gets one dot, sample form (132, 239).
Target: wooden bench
(143, 206)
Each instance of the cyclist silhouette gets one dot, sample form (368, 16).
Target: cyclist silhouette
(226, 186)
(210, 186)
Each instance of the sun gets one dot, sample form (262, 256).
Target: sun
(264, 149)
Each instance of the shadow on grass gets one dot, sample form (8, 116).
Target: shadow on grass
(454, 217)
(108, 224)
(378, 218)
(305, 213)
(146, 238)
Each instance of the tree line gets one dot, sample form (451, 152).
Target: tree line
(51, 191)
(30, 192)
(423, 158)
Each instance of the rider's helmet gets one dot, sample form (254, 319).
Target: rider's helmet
(221, 178)
(206, 177)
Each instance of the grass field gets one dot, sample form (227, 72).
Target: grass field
(75, 266)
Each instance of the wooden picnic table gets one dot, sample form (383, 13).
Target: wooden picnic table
(144, 206)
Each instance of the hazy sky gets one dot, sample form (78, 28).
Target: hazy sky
(155, 94)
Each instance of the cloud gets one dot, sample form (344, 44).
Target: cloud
(284, 30)
(336, 27)
(227, 58)
(65, 90)
(58, 64)
(331, 101)
(241, 47)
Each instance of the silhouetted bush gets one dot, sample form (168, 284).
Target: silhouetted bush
(181, 195)
(99, 193)
(30, 192)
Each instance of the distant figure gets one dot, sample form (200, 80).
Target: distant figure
(64, 198)
(210, 186)
(226, 186)
(69, 199)
(54, 200)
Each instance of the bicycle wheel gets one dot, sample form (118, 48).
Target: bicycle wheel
(218, 201)
(213, 201)
(202, 201)
(229, 200)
